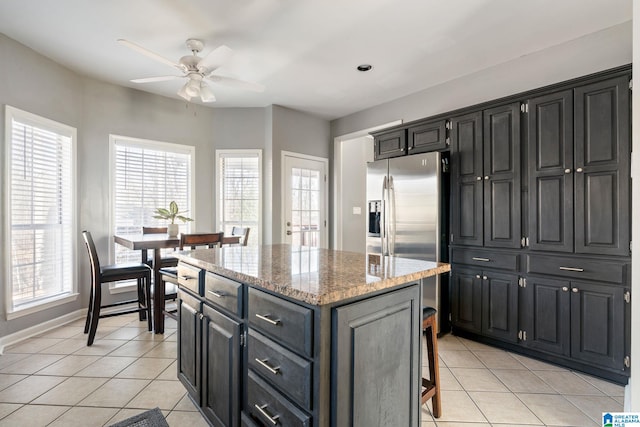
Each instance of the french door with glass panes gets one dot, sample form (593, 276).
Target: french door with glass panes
(304, 190)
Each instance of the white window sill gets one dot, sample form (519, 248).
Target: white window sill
(40, 306)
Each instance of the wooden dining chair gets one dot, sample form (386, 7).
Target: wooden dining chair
(237, 232)
(165, 261)
(102, 274)
(169, 275)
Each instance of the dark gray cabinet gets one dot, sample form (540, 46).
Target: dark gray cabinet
(390, 144)
(580, 320)
(377, 342)
(602, 167)
(221, 368)
(485, 302)
(467, 179)
(550, 135)
(209, 358)
(427, 136)
(486, 179)
(502, 176)
(189, 344)
(466, 301)
(579, 174)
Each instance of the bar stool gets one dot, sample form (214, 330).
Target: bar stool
(432, 385)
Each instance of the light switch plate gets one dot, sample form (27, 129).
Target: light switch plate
(357, 210)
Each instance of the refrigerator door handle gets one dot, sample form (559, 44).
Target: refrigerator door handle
(392, 217)
(383, 217)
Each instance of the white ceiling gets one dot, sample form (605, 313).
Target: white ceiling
(304, 52)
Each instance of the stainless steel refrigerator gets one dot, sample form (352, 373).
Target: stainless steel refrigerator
(403, 199)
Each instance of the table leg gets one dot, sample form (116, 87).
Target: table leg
(158, 294)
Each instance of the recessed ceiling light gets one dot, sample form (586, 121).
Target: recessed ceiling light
(364, 67)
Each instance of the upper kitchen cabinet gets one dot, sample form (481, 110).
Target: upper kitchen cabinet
(426, 137)
(485, 160)
(602, 167)
(387, 144)
(579, 169)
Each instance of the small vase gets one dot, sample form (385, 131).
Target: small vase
(172, 230)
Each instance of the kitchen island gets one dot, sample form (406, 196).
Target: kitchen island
(287, 335)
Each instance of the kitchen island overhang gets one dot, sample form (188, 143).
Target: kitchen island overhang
(325, 337)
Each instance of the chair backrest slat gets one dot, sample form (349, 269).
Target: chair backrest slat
(242, 232)
(154, 230)
(200, 239)
(93, 254)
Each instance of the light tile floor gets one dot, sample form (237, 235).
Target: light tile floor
(55, 380)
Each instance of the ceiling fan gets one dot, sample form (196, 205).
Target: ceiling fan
(196, 69)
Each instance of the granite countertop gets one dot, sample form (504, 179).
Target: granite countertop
(311, 275)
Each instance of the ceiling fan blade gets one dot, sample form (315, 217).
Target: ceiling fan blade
(156, 79)
(149, 54)
(206, 94)
(235, 83)
(214, 59)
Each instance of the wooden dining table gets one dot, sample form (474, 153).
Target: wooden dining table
(157, 242)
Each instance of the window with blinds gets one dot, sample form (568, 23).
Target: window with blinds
(40, 209)
(148, 175)
(239, 191)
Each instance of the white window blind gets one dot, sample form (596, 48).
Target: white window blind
(41, 209)
(239, 192)
(148, 175)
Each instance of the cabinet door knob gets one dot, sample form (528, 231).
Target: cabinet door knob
(484, 277)
(486, 177)
(567, 171)
(477, 276)
(565, 289)
(478, 178)
(410, 148)
(579, 170)
(575, 290)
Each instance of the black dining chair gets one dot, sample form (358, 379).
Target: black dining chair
(101, 275)
(169, 275)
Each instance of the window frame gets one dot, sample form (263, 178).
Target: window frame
(148, 144)
(245, 152)
(15, 114)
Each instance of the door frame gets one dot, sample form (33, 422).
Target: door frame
(338, 143)
(324, 235)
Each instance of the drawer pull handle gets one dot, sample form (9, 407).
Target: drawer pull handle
(475, 258)
(580, 270)
(187, 277)
(265, 365)
(266, 319)
(273, 420)
(216, 294)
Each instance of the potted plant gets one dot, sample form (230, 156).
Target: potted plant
(171, 214)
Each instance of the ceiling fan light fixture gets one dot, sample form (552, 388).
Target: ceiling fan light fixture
(206, 94)
(183, 92)
(192, 88)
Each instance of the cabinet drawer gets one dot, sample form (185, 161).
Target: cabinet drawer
(267, 405)
(285, 321)
(223, 292)
(485, 259)
(191, 278)
(279, 366)
(427, 137)
(577, 268)
(247, 421)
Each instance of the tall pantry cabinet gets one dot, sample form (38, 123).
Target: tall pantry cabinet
(540, 221)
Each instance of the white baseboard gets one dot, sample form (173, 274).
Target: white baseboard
(40, 328)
